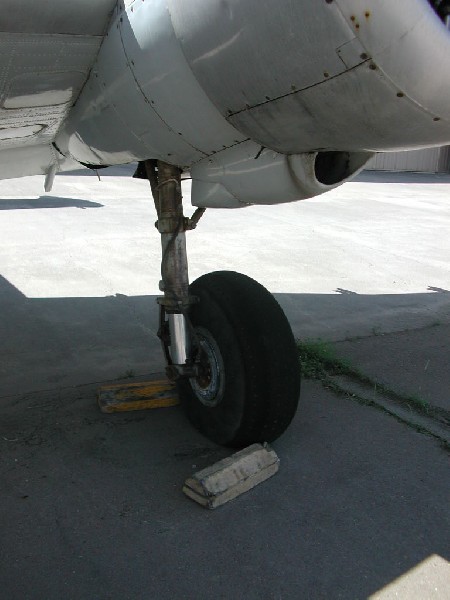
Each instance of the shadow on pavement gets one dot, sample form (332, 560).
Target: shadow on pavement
(46, 202)
(92, 505)
(56, 342)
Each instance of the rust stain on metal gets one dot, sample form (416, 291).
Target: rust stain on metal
(354, 21)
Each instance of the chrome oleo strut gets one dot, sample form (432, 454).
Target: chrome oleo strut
(177, 336)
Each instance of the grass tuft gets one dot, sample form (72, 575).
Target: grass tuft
(318, 360)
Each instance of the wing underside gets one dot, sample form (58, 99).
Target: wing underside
(46, 52)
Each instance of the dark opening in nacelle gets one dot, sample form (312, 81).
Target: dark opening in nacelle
(442, 8)
(333, 167)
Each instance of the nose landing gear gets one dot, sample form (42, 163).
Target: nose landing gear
(226, 340)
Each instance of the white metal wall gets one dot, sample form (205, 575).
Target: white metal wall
(430, 160)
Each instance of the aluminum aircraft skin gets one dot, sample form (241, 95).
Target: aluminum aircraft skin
(262, 102)
(207, 84)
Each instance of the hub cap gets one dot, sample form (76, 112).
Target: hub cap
(208, 385)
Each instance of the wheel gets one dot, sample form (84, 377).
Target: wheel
(249, 384)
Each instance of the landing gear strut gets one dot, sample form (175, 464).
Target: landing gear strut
(227, 343)
(165, 181)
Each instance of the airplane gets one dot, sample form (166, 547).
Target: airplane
(258, 102)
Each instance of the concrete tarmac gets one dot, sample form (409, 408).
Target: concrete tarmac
(92, 503)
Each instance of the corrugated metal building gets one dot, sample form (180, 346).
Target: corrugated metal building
(430, 160)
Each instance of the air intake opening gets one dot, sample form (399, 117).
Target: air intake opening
(331, 168)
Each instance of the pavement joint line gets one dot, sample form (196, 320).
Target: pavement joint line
(370, 336)
(411, 404)
(319, 362)
(362, 394)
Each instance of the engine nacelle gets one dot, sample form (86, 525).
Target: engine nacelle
(248, 174)
(318, 86)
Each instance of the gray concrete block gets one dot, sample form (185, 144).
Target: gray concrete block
(232, 476)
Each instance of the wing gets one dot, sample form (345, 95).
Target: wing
(264, 102)
(46, 52)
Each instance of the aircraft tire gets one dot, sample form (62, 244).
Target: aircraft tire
(251, 385)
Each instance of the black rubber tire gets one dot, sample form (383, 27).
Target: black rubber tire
(261, 371)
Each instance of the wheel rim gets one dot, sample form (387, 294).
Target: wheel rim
(208, 386)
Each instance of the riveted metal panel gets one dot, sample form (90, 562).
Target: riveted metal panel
(46, 52)
(358, 110)
(78, 17)
(247, 174)
(244, 53)
(142, 99)
(41, 75)
(34, 55)
(302, 76)
(90, 134)
(292, 76)
(168, 82)
(410, 44)
(113, 119)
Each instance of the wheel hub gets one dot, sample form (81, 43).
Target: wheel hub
(209, 383)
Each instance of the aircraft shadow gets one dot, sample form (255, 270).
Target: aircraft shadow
(353, 523)
(46, 202)
(70, 341)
